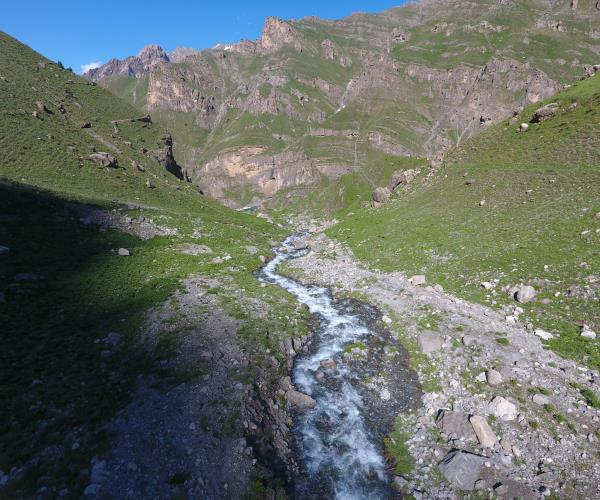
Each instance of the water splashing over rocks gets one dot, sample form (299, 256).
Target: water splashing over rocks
(359, 377)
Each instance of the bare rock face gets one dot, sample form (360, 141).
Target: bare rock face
(277, 33)
(253, 169)
(147, 58)
(164, 157)
(178, 54)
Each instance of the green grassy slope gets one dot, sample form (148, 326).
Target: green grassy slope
(63, 286)
(542, 196)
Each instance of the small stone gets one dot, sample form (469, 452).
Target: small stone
(586, 333)
(486, 285)
(523, 127)
(113, 338)
(493, 377)
(480, 484)
(328, 364)
(418, 280)
(543, 334)
(252, 250)
(540, 399)
(300, 400)
(4, 249)
(482, 203)
(386, 319)
(124, 252)
(149, 184)
(506, 446)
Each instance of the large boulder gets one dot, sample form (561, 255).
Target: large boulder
(545, 112)
(523, 293)
(401, 177)
(462, 469)
(456, 425)
(485, 434)
(103, 159)
(380, 196)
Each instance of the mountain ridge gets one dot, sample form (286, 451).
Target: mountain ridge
(411, 81)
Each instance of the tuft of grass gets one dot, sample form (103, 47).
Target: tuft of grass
(397, 450)
(591, 398)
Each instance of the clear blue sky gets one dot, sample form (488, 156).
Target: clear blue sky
(78, 32)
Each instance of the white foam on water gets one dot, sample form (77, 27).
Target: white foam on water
(332, 436)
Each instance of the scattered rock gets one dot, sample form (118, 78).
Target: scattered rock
(485, 434)
(123, 252)
(544, 113)
(482, 203)
(486, 285)
(380, 196)
(149, 184)
(500, 489)
(524, 294)
(4, 249)
(41, 107)
(541, 399)
(493, 377)
(252, 250)
(543, 334)
(587, 333)
(502, 408)
(523, 127)
(300, 244)
(418, 280)
(193, 249)
(456, 425)
(113, 338)
(328, 364)
(429, 342)
(103, 159)
(462, 469)
(300, 400)
(86, 125)
(386, 319)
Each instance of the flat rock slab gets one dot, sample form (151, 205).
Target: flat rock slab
(456, 425)
(429, 342)
(462, 469)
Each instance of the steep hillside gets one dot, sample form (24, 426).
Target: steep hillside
(109, 265)
(311, 100)
(506, 208)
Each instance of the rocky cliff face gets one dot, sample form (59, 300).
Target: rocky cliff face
(135, 66)
(413, 80)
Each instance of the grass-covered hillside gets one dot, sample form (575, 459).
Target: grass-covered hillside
(63, 285)
(507, 208)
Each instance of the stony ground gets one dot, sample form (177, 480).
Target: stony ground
(499, 414)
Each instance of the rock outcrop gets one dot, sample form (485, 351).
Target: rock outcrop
(147, 58)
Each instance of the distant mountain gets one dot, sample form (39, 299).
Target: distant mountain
(312, 100)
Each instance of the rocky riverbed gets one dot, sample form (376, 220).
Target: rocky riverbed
(499, 413)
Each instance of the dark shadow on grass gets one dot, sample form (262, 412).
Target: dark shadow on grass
(63, 289)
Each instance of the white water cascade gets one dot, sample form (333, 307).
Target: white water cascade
(337, 450)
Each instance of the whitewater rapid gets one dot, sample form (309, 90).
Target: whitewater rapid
(339, 455)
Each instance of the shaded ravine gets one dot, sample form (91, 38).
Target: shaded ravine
(339, 441)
